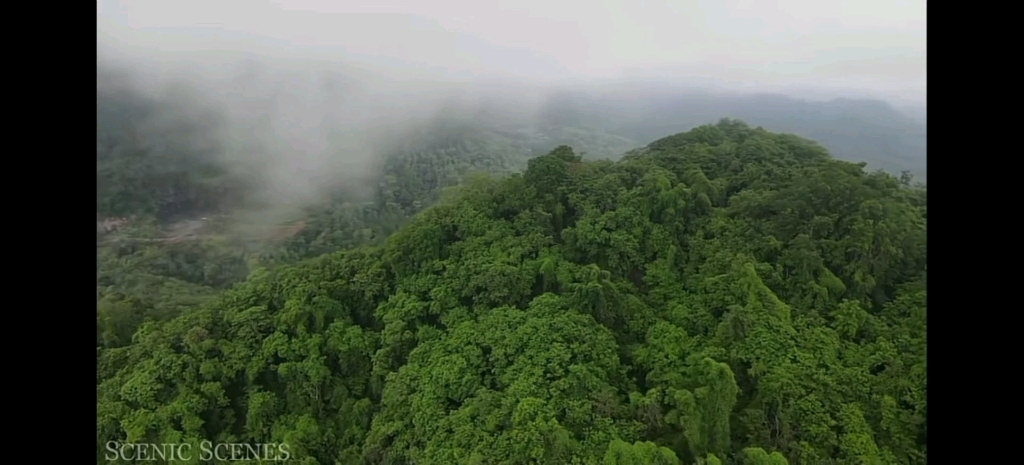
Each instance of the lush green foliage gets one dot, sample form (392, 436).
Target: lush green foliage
(723, 296)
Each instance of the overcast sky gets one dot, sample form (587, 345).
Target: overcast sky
(874, 46)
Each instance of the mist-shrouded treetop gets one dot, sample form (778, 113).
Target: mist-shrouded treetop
(283, 131)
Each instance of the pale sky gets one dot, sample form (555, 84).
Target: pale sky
(873, 46)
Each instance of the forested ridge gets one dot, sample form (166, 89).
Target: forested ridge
(725, 295)
(852, 129)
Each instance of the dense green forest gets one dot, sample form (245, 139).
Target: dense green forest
(726, 295)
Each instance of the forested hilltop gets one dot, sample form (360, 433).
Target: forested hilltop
(725, 295)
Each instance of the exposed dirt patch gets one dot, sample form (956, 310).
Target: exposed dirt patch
(183, 230)
(284, 232)
(203, 228)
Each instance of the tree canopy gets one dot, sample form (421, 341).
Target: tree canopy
(726, 295)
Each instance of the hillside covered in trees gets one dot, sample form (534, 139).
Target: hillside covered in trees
(726, 295)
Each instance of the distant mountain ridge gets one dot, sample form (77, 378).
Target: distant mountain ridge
(865, 130)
